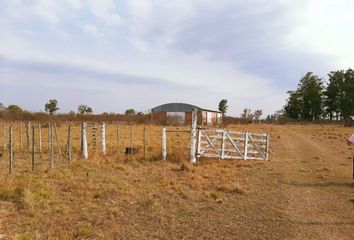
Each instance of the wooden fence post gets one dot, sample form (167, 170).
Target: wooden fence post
(103, 138)
(28, 136)
(144, 140)
(84, 141)
(245, 151)
(51, 148)
(11, 151)
(33, 149)
(40, 138)
(69, 143)
(94, 138)
(20, 137)
(49, 138)
(4, 136)
(57, 140)
(131, 140)
(118, 138)
(193, 136)
(164, 144)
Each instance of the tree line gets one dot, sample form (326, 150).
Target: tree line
(315, 99)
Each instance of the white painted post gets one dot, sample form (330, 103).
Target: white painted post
(11, 151)
(245, 152)
(267, 148)
(84, 141)
(199, 142)
(193, 136)
(164, 144)
(103, 138)
(223, 144)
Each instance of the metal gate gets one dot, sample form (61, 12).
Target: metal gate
(221, 143)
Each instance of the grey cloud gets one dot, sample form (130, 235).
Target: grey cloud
(251, 39)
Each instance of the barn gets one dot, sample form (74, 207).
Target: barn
(181, 113)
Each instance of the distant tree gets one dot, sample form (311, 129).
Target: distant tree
(246, 113)
(306, 102)
(293, 107)
(257, 114)
(223, 106)
(130, 111)
(51, 107)
(333, 95)
(82, 109)
(311, 89)
(14, 108)
(347, 101)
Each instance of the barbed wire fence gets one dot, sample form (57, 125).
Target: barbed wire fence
(89, 141)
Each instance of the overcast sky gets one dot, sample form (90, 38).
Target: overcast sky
(119, 54)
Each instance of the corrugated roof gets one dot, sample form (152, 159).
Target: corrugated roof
(179, 107)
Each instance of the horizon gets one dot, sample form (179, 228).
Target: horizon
(116, 55)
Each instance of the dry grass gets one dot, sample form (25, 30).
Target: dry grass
(118, 197)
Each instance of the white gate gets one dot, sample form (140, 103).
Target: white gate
(221, 143)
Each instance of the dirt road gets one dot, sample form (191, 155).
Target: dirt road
(306, 190)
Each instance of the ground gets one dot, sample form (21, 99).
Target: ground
(305, 191)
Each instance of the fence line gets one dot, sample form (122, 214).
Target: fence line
(143, 141)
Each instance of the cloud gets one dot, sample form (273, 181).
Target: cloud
(196, 51)
(105, 10)
(91, 29)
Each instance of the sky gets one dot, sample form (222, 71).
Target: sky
(118, 54)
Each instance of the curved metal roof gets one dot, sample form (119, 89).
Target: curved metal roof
(177, 107)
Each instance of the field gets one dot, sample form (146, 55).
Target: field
(305, 191)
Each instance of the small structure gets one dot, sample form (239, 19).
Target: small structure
(181, 113)
(349, 122)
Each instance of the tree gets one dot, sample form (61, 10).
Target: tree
(334, 94)
(14, 108)
(246, 113)
(339, 94)
(257, 114)
(82, 109)
(51, 106)
(293, 108)
(130, 111)
(306, 102)
(347, 100)
(311, 89)
(223, 106)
